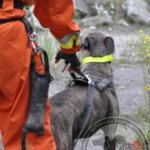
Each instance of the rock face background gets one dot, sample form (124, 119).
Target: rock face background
(131, 11)
(138, 11)
(95, 13)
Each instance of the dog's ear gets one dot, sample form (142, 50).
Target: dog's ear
(109, 43)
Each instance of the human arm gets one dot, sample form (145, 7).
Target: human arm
(57, 16)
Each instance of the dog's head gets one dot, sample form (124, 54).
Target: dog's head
(97, 50)
(96, 44)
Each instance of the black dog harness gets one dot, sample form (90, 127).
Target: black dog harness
(84, 80)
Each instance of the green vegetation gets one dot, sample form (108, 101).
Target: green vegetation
(114, 2)
(143, 118)
(148, 136)
(49, 43)
(148, 1)
(143, 46)
(142, 49)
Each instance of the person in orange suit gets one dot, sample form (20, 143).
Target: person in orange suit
(15, 55)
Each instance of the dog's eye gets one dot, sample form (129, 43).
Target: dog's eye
(86, 44)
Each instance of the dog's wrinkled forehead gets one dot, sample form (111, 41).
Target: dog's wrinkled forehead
(92, 35)
(96, 44)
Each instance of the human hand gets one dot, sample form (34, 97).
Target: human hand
(72, 63)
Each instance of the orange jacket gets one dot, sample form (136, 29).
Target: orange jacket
(53, 14)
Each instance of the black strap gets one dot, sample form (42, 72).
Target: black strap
(100, 86)
(45, 60)
(28, 26)
(46, 63)
(2, 21)
(87, 112)
(18, 4)
(82, 81)
(1, 3)
(78, 81)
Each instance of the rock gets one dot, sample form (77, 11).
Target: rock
(92, 27)
(110, 29)
(93, 2)
(138, 11)
(122, 22)
(84, 8)
(96, 21)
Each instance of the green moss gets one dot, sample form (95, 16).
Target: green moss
(115, 2)
(148, 136)
(148, 1)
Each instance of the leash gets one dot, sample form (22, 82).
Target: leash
(88, 107)
(84, 80)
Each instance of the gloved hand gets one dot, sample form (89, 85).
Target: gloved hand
(71, 59)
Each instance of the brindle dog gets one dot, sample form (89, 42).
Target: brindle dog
(68, 106)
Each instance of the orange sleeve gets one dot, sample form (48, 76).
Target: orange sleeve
(56, 15)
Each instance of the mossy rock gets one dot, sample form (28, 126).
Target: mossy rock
(148, 136)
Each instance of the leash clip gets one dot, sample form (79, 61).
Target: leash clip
(33, 41)
(33, 36)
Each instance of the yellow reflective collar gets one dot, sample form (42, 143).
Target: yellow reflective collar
(107, 58)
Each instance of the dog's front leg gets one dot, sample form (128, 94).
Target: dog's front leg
(109, 144)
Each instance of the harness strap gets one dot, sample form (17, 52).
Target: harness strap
(78, 80)
(18, 4)
(1, 4)
(86, 81)
(87, 112)
(2, 21)
(28, 26)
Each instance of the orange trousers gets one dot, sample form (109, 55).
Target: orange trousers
(15, 55)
